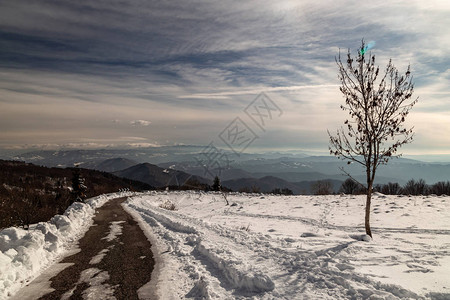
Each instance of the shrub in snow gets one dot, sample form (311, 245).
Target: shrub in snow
(169, 205)
(351, 187)
(322, 187)
(245, 228)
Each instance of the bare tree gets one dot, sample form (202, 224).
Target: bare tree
(415, 188)
(377, 108)
(392, 188)
(351, 187)
(440, 188)
(322, 187)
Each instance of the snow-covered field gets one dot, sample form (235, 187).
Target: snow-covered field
(262, 246)
(296, 247)
(24, 254)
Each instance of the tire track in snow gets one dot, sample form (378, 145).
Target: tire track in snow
(201, 242)
(216, 252)
(326, 225)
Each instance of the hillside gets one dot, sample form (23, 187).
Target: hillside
(31, 194)
(159, 177)
(114, 164)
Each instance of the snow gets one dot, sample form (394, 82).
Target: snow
(99, 257)
(295, 247)
(258, 247)
(115, 229)
(97, 288)
(24, 254)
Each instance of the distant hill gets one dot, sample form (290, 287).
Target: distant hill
(115, 164)
(288, 166)
(299, 176)
(155, 155)
(194, 169)
(159, 177)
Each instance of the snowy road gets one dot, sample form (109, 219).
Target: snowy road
(113, 262)
(299, 247)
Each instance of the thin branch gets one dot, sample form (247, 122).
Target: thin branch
(350, 176)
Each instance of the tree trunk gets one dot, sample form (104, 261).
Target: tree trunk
(367, 218)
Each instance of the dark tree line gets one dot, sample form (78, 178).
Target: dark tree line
(415, 188)
(283, 191)
(412, 187)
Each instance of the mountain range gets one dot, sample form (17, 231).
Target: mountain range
(170, 165)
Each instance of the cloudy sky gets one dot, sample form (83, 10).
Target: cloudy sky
(140, 72)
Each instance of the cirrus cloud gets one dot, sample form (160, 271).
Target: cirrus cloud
(192, 66)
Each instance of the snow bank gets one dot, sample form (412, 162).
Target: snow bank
(24, 254)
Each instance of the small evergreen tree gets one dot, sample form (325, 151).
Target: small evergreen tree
(78, 186)
(216, 184)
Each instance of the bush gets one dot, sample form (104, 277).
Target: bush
(283, 191)
(322, 187)
(391, 189)
(415, 188)
(440, 188)
(169, 205)
(351, 187)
